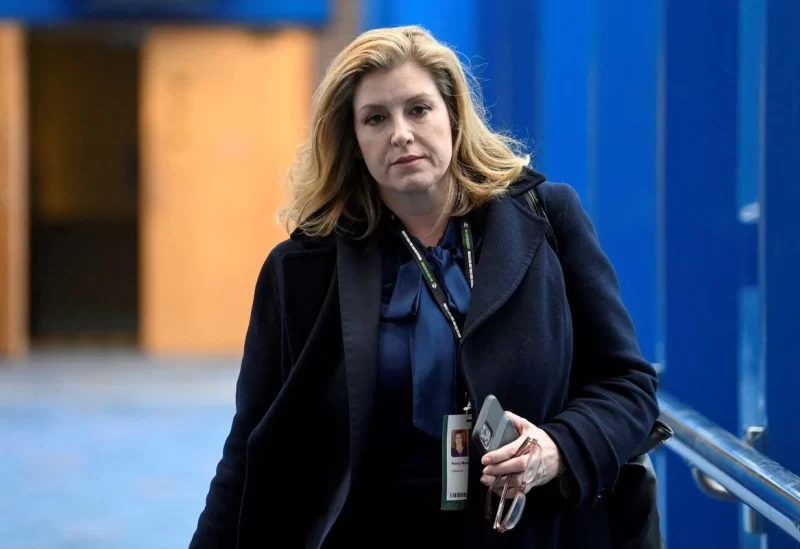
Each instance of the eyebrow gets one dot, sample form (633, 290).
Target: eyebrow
(407, 100)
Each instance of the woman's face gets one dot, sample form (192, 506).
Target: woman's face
(403, 130)
(459, 440)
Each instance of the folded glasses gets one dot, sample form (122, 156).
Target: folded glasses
(531, 447)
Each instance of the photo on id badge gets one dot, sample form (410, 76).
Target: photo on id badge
(458, 443)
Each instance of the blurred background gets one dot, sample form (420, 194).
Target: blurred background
(143, 152)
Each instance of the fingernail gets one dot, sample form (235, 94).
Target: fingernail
(484, 480)
(486, 471)
(486, 460)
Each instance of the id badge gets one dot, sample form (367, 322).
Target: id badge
(455, 461)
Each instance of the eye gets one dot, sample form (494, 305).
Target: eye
(373, 120)
(420, 110)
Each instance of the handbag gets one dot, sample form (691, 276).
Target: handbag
(633, 504)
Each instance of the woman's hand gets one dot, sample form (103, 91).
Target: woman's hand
(499, 462)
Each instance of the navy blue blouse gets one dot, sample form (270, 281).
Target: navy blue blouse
(417, 361)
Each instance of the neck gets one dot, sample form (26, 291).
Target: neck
(421, 213)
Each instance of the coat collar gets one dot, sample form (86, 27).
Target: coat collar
(511, 236)
(528, 179)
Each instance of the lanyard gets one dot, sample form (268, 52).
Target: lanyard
(468, 245)
(430, 279)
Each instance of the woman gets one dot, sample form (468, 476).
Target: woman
(458, 448)
(351, 349)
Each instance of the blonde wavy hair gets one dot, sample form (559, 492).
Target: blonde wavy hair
(331, 189)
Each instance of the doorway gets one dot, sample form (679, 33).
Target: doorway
(84, 179)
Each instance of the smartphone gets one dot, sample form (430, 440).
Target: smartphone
(493, 429)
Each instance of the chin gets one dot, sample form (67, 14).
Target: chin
(416, 183)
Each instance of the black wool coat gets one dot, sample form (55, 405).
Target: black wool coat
(548, 335)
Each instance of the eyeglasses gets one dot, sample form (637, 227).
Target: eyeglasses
(502, 524)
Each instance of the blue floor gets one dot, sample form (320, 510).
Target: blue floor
(108, 450)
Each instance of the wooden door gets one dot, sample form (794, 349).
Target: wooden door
(13, 192)
(223, 112)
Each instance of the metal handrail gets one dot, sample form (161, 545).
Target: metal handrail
(753, 478)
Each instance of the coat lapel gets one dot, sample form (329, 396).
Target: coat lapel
(359, 269)
(511, 236)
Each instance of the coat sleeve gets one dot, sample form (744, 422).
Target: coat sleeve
(257, 386)
(612, 404)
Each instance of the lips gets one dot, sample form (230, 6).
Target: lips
(408, 159)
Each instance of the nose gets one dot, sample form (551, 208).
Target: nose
(401, 134)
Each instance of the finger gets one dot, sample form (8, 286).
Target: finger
(509, 494)
(489, 482)
(504, 453)
(511, 466)
(532, 471)
(515, 480)
(513, 487)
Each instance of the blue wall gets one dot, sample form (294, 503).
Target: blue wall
(451, 21)
(780, 236)
(623, 153)
(509, 69)
(701, 251)
(257, 12)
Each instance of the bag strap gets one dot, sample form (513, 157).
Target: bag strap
(536, 205)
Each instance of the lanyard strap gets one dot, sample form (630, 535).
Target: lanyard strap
(468, 245)
(454, 317)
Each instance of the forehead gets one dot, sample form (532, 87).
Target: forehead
(390, 86)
